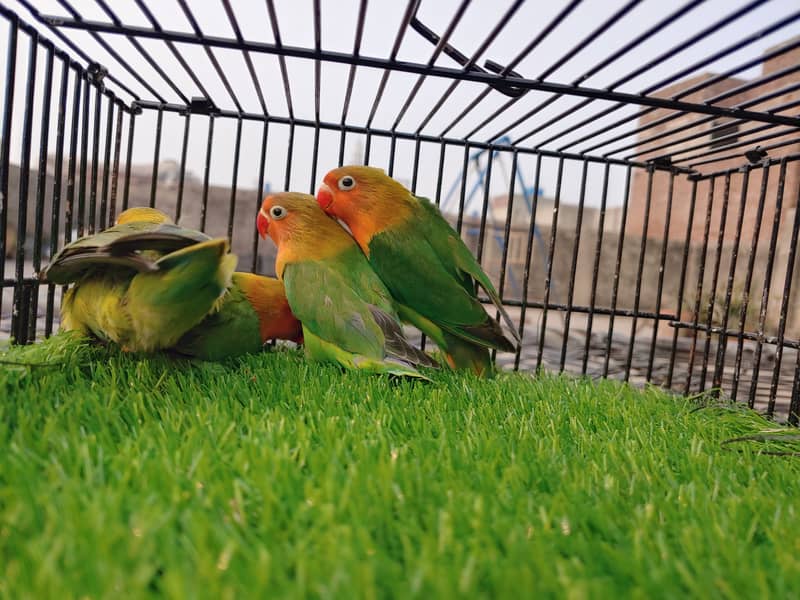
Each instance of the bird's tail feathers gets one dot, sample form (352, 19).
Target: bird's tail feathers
(397, 346)
(462, 354)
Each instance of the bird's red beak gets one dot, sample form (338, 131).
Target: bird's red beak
(262, 223)
(324, 197)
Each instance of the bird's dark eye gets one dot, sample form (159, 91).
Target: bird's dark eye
(347, 183)
(277, 212)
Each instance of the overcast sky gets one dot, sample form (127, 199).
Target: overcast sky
(383, 17)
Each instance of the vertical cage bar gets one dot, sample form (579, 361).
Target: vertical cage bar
(234, 178)
(787, 288)
(182, 175)
(95, 159)
(506, 238)
(596, 268)
(112, 201)
(640, 270)
(550, 254)
(5, 142)
(104, 221)
(392, 150)
(682, 281)
(367, 147)
(415, 166)
(390, 165)
(156, 157)
(342, 136)
(526, 272)
(660, 287)
(314, 159)
(723, 221)
(440, 174)
(206, 172)
(84, 157)
(462, 196)
(260, 191)
(19, 311)
(41, 184)
(573, 267)
(487, 181)
(56, 202)
(748, 282)
(617, 268)
(73, 156)
(129, 154)
(289, 152)
(762, 313)
(698, 298)
(722, 341)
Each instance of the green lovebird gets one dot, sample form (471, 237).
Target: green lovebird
(147, 284)
(252, 312)
(348, 315)
(429, 271)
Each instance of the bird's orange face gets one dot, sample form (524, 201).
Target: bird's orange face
(339, 191)
(289, 214)
(270, 216)
(300, 229)
(365, 198)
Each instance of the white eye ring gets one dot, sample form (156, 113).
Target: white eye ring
(278, 212)
(346, 183)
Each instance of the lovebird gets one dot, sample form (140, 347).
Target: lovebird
(348, 315)
(148, 285)
(252, 312)
(422, 260)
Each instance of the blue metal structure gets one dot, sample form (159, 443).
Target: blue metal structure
(529, 193)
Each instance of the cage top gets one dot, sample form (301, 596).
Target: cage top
(685, 87)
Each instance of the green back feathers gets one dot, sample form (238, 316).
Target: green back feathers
(141, 284)
(151, 310)
(231, 330)
(121, 246)
(348, 315)
(337, 310)
(429, 270)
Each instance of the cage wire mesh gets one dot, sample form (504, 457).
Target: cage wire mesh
(626, 172)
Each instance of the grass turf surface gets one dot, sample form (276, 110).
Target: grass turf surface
(268, 475)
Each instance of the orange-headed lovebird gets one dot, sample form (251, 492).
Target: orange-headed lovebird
(254, 311)
(147, 285)
(429, 271)
(348, 315)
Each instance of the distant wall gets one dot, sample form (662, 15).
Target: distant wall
(629, 271)
(218, 212)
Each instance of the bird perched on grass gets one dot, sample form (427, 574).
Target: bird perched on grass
(348, 315)
(252, 312)
(429, 271)
(147, 284)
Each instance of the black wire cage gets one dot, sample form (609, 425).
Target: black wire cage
(628, 173)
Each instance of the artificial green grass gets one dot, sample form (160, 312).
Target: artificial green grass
(122, 476)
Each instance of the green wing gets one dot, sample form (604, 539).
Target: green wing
(119, 246)
(421, 263)
(344, 303)
(151, 310)
(324, 301)
(449, 245)
(230, 331)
